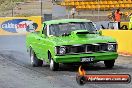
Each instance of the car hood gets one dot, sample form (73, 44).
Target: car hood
(80, 38)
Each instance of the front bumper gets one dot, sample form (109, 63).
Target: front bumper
(77, 58)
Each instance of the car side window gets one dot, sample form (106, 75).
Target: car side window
(44, 31)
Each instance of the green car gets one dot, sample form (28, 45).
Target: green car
(70, 41)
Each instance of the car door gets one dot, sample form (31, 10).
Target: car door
(42, 41)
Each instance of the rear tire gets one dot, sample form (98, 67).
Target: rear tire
(53, 65)
(35, 62)
(109, 63)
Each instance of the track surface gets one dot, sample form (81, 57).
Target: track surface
(16, 72)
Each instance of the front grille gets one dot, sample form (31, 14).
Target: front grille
(87, 48)
(77, 49)
(96, 47)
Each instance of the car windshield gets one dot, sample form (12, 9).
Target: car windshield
(67, 28)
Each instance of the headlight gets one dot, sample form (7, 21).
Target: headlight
(62, 50)
(111, 47)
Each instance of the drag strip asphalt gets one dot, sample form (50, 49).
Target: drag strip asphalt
(16, 72)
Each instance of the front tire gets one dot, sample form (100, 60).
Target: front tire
(109, 63)
(53, 65)
(35, 62)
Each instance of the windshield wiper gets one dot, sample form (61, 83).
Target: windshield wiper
(65, 34)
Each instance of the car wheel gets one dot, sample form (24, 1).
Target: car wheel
(35, 62)
(53, 65)
(109, 63)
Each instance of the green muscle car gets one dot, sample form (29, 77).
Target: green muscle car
(70, 41)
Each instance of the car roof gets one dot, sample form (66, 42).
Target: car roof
(65, 21)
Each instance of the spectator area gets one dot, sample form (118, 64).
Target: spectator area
(97, 4)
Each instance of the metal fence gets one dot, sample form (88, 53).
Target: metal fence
(40, 7)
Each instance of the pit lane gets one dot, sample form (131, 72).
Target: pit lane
(16, 71)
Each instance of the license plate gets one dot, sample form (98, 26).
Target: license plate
(87, 59)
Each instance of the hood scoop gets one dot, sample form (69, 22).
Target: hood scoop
(80, 32)
(86, 32)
